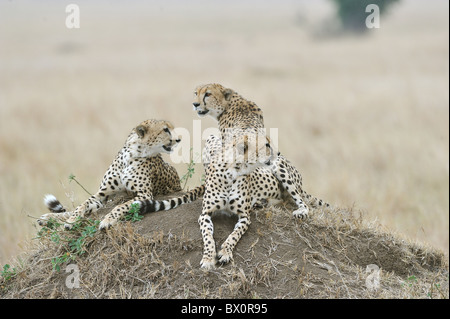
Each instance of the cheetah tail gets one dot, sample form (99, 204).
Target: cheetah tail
(314, 201)
(149, 206)
(53, 204)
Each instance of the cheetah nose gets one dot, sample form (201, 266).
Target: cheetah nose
(178, 140)
(196, 104)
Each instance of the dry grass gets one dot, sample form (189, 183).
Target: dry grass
(364, 119)
(279, 257)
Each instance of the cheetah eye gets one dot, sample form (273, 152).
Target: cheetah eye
(166, 130)
(195, 93)
(207, 94)
(267, 145)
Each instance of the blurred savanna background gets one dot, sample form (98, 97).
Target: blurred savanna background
(362, 113)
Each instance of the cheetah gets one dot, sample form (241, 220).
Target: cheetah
(232, 111)
(138, 168)
(245, 184)
(237, 184)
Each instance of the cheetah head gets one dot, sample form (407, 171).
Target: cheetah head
(152, 137)
(245, 152)
(211, 99)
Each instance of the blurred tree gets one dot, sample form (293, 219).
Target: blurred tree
(352, 13)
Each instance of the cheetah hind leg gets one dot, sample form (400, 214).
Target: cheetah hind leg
(291, 181)
(262, 203)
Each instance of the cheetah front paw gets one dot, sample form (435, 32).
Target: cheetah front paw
(301, 213)
(44, 219)
(225, 256)
(208, 263)
(68, 226)
(107, 222)
(69, 223)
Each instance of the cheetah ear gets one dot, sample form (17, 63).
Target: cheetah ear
(141, 130)
(227, 93)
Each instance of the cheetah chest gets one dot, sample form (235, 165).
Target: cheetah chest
(241, 193)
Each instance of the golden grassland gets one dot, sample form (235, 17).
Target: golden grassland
(364, 118)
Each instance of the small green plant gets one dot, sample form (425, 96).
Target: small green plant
(190, 170)
(411, 280)
(72, 242)
(72, 178)
(7, 273)
(133, 213)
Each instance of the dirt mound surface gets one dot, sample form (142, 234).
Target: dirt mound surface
(333, 254)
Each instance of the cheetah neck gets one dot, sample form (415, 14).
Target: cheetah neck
(127, 154)
(240, 113)
(135, 149)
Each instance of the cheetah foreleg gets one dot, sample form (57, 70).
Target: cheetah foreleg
(209, 246)
(121, 210)
(226, 252)
(60, 217)
(92, 204)
(115, 215)
(96, 201)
